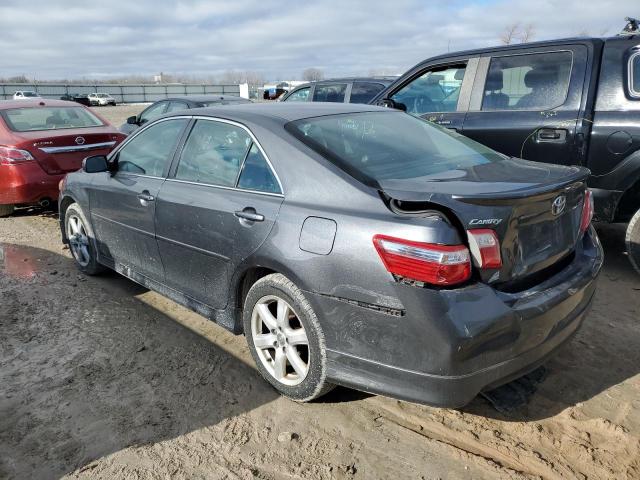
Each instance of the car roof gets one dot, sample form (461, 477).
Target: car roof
(280, 112)
(206, 98)
(40, 102)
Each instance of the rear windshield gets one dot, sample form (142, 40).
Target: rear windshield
(379, 146)
(49, 118)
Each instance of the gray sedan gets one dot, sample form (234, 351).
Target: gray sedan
(351, 244)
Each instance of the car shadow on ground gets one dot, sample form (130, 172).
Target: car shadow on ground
(89, 369)
(604, 352)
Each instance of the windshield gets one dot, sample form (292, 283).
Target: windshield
(379, 146)
(49, 118)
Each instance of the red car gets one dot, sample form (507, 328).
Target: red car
(40, 142)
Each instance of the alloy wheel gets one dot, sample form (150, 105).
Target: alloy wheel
(280, 340)
(78, 240)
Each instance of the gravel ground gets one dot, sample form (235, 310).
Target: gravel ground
(101, 378)
(118, 115)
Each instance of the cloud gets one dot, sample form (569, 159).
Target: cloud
(45, 39)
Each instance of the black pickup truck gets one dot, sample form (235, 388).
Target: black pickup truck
(571, 102)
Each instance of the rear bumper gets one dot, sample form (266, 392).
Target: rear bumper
(448, 347)
(27, 183)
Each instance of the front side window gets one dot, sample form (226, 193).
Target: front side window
(30, 94)
(380, 147)
(363, 92)
(301, 95)
(433, 91)
(49, 118)
(176, 106)
(634, 75)
(256, 173)
(149, 152)
(537, 81)
(330, 92)
(213, 153)
(154, 111)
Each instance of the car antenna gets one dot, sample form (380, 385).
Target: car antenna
(631, 28)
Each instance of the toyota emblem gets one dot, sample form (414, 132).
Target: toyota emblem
(80, 140)
(558, 205)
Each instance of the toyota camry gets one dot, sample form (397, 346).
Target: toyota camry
(352, 245)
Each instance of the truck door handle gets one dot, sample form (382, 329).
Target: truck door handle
(145, 197)
(249, 213)
(557, 135)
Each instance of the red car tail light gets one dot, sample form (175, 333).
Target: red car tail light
(485, 248)
(11, 156)
(587, 211)
(424, 262)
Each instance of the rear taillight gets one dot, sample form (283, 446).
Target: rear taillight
(485, 248)
(11, 156)
(587, 211)
(424, 262)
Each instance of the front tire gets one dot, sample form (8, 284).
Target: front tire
(6, 210)
(632, 239)
(285, 338)
(80, 238)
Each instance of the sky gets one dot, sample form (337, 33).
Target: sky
(47, 39)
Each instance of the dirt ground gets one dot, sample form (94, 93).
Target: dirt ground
(100, 378)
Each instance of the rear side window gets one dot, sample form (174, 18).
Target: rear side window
(363, 92)
(149, 152)
(433, 91)
(333, 92)
(527, 82)
(301, 95)
(256, 173)
(49, 118)
(213, 153)
(380, 147)
(634, 75)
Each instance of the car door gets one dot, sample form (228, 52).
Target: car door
(438, 92)
(217, 207)
(527, 103)
(122, 204)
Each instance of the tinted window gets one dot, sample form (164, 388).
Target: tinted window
(330, 92)
(433, 91)
(362, 92)
(634, 75)
(213, 153)
(256, 173)
(176, 106)
(149, 152)
(527, 82)
(49, 118)
(301, 95)
(382, 146)
(153, 111)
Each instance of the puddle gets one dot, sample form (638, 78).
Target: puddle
(20, 262)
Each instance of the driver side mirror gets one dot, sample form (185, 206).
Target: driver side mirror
(133, 120)
(95, 164)
(389, 103)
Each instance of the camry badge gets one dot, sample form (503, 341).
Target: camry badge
(558, 205)
(80, 140)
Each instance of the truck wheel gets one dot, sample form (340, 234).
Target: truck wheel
(632, 239)
(285, 338)
(6, 210)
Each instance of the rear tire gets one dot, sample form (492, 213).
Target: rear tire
(285, 338)
(6, 210)
(632, 239)
(81, 240)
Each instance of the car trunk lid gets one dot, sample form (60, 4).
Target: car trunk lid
(60, 151)
(534, 232)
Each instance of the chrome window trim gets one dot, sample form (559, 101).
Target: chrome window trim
(236, 189)
(633, 93)
(77, 148)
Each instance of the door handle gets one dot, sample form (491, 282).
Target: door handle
(145, 197)
(557, 135)
(249, 213)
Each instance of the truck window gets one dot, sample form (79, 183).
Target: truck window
(433, 91)
(538, 81)
(634, 75)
